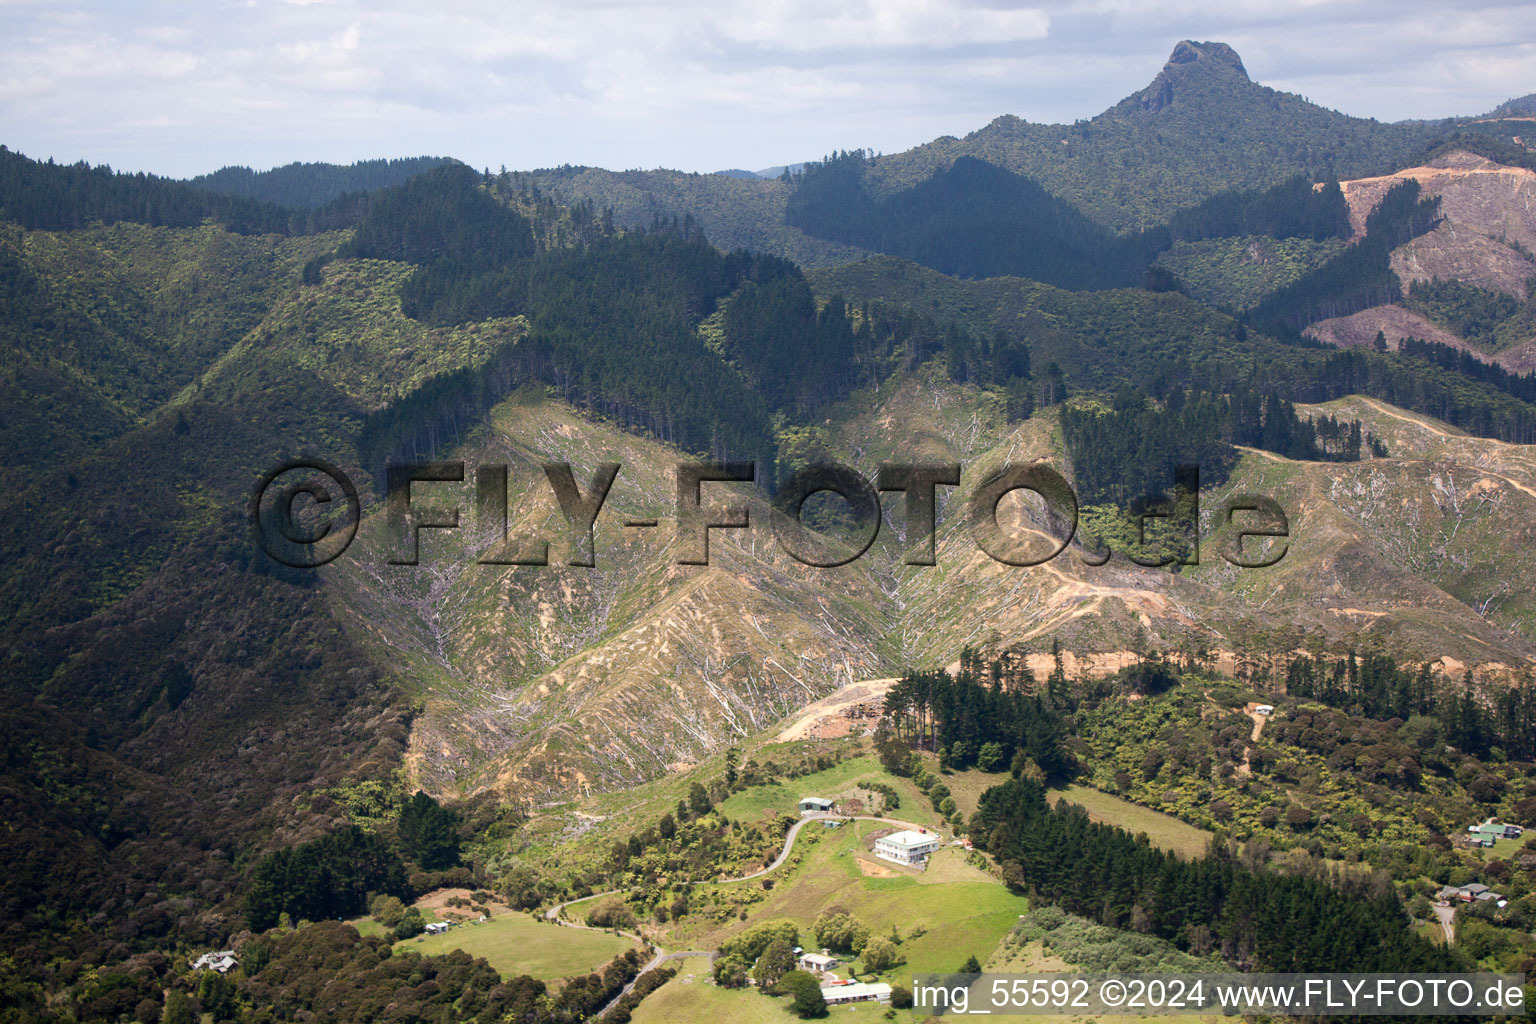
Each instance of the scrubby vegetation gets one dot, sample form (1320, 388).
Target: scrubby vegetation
(1097, 948)
(1236, 273)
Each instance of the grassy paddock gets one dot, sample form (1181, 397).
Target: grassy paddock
(1165, 831)
(751, 804)
(943, 915)
(692, 996)
(517, 944)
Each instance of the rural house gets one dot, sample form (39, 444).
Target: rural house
(856, 992)
(907, 847)
(223, 961)
(1476, 892)
(1496, 829)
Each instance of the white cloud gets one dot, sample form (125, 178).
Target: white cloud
(871, 24)
(685, 83)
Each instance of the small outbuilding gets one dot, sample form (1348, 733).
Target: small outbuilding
(817, 963)
(815, 805)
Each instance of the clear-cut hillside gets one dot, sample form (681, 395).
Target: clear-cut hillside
(542, 682)
(1486, 240)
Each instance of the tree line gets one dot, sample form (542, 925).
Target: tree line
(1257, 921)
(311, 185)
(1378, 686)
(1520, 385)
(335, 875)
(1359, 277)
(1131, 451)
(974, 219)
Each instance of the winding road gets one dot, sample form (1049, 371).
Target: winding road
(662, 956)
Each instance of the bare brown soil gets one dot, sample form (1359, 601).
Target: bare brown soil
(1395, 322)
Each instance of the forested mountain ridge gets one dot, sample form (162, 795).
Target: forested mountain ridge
(1200, 128)
(315, 184)
(1201, 123)
(1161, 340)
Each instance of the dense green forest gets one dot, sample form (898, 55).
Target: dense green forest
(1522, 385)
(1359, 277)
(327, 971)
(331, 877)
(1490, 320)
(1378, 687)
(1161, 341)
(307, 186)
(60, 197)
(971, 219)
(974, 219)
(1291, 209)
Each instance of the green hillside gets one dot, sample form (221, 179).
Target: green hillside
(1201, 127)
(207, 748)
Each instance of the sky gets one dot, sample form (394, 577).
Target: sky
(181, 89)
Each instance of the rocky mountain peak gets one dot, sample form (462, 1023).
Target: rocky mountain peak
(1188, 59)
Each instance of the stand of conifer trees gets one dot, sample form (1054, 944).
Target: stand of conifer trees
(1257, 921)
(965, 712)
(1377, 686)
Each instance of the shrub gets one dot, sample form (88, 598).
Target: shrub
(881, 955)
(1298, 817)
(731, 972)
(750, 944)
(990, 757)
(838, 930)
(387, 910)
(411, 925)
(611, 913)
(777, 961)
(806, 991)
